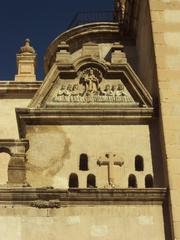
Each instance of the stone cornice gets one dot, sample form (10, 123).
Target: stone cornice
(91, 30)
(12, 89)
(30, 196)
(9, 144)
(14, 142)
(85, 115)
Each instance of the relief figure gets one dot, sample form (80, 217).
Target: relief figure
(107, 94)
(91, 82)
(75, 94)
(61, 95)
(90, 90)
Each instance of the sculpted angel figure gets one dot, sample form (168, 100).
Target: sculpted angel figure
(68, 92)
(75, 94)
(119, 93)
(108, 93)
(61, 94)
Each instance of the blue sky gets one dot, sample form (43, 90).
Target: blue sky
(39, 20)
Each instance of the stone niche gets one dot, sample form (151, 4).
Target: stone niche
(56, 152)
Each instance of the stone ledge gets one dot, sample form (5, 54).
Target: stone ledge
(81, 116)
(27, 196)
(12, 89)
(13, 143)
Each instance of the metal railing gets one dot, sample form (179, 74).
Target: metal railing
(90, 17)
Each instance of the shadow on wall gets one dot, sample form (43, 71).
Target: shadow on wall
(49, 147)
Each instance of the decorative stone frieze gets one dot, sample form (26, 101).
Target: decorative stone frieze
(90, 88)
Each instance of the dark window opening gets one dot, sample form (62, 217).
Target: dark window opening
(73, 181)
(132, 182)
(139, 163)
(83, 163)
(91, 181)
(149, 181)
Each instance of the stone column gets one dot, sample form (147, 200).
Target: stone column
(26, 63)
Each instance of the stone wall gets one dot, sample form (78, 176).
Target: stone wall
(56, 148)
(8, 123)
(165, 19)
(55, 153)
(145, 50)
(82, 222)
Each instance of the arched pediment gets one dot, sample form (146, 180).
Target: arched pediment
(89, 61)
(89, 82)
(79, 35)
(88, 91)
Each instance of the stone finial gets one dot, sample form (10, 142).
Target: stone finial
(63, 55)
(26, 63)
(63, 46)
(117, 55)
(27, 48)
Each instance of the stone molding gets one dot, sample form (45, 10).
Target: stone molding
(18, 90)
(68, 116)
(34, 196)
(72, 35)
(14, 147)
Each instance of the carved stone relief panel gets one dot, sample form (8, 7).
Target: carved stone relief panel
(91, 87)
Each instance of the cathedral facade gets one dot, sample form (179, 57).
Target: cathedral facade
(92, 151)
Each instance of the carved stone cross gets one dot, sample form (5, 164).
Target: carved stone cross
(110, 161)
